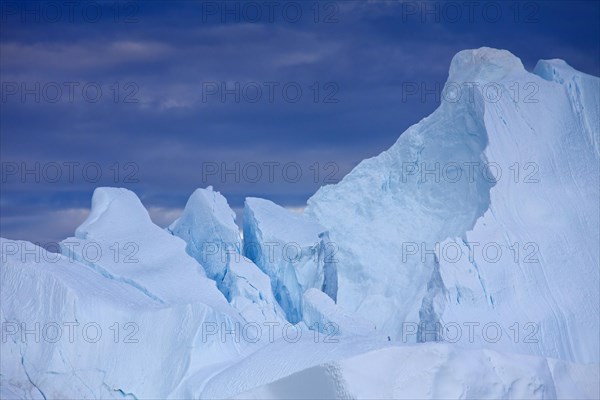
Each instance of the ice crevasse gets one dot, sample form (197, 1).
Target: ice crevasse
(292, 249)
(212, 238)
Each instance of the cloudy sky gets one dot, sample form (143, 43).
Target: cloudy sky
(269, 98)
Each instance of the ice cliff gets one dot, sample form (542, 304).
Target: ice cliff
(507, 170)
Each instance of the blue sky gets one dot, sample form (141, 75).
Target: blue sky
(164, 97)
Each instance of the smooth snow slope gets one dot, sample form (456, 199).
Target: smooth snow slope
(352, 370)
(120, 241)
(387, 219)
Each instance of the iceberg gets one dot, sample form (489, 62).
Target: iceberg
(319, 312)
(120, 242)
(540, 271)
(292, 249)
(208, 227)
(431, 371)
(462, 262)
(69, 331)
(509, 181)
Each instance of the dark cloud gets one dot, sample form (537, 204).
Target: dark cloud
(159, 122)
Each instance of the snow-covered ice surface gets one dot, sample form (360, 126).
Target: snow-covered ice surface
(120, 242)
(292, 249)
(320, 312)
(476, 232)
(546, 224)
(208, 227)
(123, 310)
(525, 215)
(70, 332)
(434, 371)
(219, 236)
